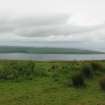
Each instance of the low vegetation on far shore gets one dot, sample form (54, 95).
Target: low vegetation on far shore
(46, 50)
(52, 83)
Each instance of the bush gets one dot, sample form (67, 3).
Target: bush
(78, 80)
(40, 72)
(56, 76)
(24, 70)
(87, 71)
(97, 66)
(102, 83)
(7, 74)
(54, 67)
(14, 71)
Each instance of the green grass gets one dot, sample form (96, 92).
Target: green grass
(52, 88)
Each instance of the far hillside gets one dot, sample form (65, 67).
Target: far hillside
(45, 50)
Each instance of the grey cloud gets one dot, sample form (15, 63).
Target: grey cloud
(44, 26)
(12, 23)
(41, 20)
(47, 30)
(6, 24)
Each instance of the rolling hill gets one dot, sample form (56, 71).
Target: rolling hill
(45, 50)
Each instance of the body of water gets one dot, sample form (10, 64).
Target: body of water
(51, 57)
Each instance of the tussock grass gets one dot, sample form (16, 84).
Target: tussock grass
(46, 83)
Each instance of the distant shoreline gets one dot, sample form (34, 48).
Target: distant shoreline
(46, 50)
(52, 57)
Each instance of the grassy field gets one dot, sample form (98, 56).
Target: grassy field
(48, 83)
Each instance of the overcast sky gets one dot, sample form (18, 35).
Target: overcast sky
(81, 23)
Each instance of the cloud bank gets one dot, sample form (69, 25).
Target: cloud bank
(40, 26)
(48, 28)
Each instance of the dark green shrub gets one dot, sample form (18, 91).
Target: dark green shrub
(17, 70)
(7, 74)
(12, 75)
(25, 70)
(87, 71)
(54, 67)
(97, 66)
(102, 83)
(3, 74)
(78, 80)
(40, 72)
(55, 76)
